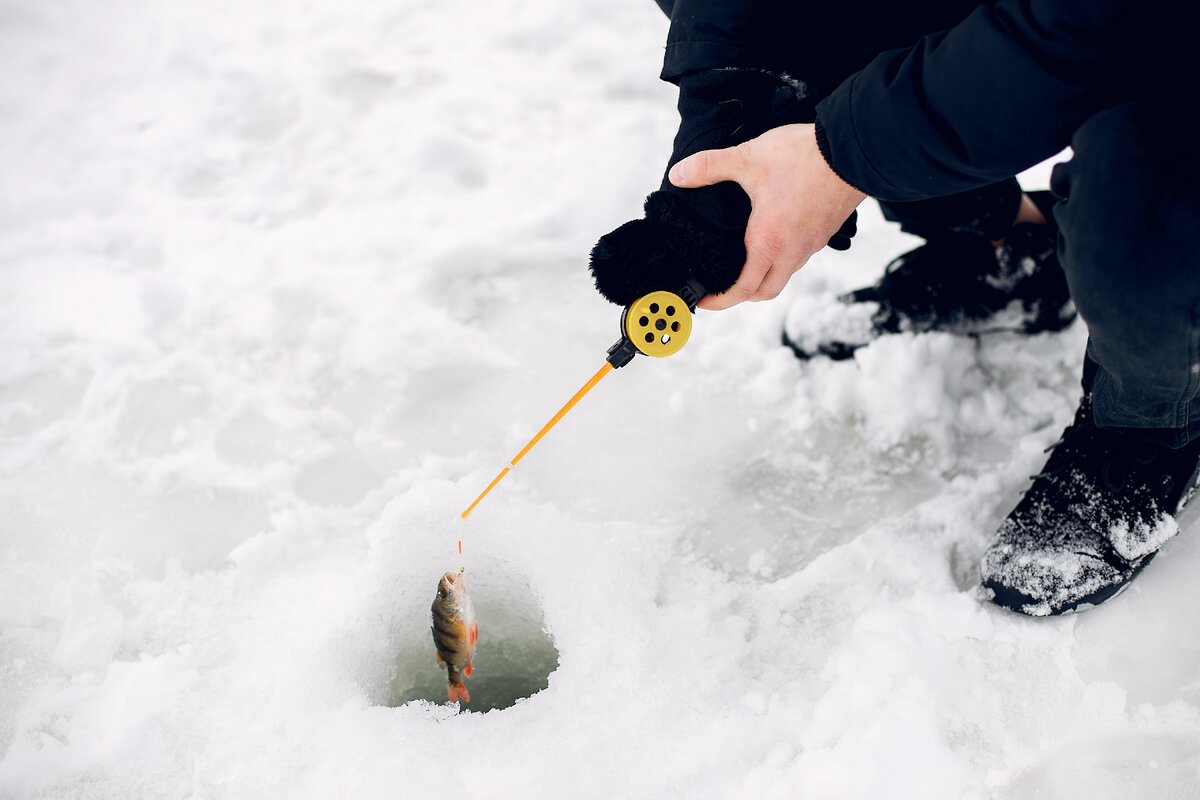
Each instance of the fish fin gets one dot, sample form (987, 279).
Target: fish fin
(474, 633)
(458, 691)
(441, 664)
(467, 670)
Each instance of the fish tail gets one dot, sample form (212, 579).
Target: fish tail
(457, 691)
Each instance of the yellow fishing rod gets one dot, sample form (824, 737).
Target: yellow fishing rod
(657, 324)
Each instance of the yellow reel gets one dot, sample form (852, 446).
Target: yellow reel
(658, 324)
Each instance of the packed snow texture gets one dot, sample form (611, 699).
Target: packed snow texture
(283, 285)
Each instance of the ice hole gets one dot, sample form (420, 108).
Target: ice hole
(513, 659)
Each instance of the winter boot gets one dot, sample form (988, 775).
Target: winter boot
(1094, 517)
(956, 282)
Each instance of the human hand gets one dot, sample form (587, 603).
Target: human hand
(797, 203)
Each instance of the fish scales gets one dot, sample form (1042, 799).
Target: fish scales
(455, 633)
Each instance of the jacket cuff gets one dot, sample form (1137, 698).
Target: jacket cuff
(686, 57)
(839, 145)
(823, 146)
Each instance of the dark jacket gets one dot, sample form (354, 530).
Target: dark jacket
(997, 92)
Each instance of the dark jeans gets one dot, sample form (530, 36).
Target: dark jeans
(1128, 212)
(1129, 218)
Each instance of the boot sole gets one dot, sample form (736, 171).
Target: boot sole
(1014, 600)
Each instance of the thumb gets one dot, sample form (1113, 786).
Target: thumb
(710, 166)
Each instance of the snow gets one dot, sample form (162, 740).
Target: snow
(283, 285)
(1135, 541)
(816, 318)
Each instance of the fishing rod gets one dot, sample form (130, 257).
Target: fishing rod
(657, 324)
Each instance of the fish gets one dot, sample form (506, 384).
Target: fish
(455, 633)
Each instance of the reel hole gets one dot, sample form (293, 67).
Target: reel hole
(654, 308)
(666, 338)
(670, 311)
(661, 324)
(675, 326)
(649, 337)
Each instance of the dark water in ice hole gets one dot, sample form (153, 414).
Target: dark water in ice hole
(513, 659)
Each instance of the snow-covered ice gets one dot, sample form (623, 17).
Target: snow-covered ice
(282, 285)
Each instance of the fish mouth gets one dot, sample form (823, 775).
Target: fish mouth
(448, 584)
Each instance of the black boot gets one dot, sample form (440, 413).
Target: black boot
(957, 282)
(1094, 517)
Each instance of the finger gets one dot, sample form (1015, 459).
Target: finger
(711, 166)
(762, 248)
(741, 292)
(788, 256)
(770, 241)
(776, 278)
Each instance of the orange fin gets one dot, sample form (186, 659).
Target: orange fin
(467, 670)
(441, 664)
(474, 633)
(458, 691)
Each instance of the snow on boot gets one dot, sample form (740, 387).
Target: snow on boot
(1094, 517)
(956, 282)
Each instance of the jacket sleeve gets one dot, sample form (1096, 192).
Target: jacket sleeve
(1001, 91)
(713, 34)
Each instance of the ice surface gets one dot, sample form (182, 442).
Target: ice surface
(282, 286)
